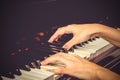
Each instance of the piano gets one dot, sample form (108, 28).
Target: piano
(23, 63)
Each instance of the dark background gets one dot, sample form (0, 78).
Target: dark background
(27, 17)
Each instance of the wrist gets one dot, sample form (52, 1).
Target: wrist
(101, 29)
(106, 74)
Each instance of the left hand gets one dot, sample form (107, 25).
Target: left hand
(73, 66)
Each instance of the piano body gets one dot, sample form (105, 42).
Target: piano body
(26, 17)
(22, 63)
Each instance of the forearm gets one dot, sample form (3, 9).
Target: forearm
(95, 72)
(110, 34)
(105, 74)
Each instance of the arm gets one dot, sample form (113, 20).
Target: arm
(82, 32)
(79, 67)
(110, 34)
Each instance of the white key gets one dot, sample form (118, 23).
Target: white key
(90, 48)
(42, 73)
(30, 75)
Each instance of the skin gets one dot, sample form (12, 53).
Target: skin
(79, 67)
(83, 32)
(85, 69)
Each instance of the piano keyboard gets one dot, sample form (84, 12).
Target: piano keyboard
(33, 74)
(88, 50)
(92, 48)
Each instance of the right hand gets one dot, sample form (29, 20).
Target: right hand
(81, 33)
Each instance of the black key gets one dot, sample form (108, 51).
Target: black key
(9, 75)
(80, 45)
(71, 49)
(86, 42)
(64, 50)
(90, 40)
(17, 71)
(26, 68)
(32, 65)
(75, 46)
(37, 62)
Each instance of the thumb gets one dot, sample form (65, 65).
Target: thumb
(60, 70)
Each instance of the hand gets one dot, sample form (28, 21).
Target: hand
(79, 67)
(73, 65)
(81, 33)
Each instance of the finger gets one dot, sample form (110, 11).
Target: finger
(54, 37)
(60, 70)
(75, 40)
(71, 42)
(55, 59)
(57, 35)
